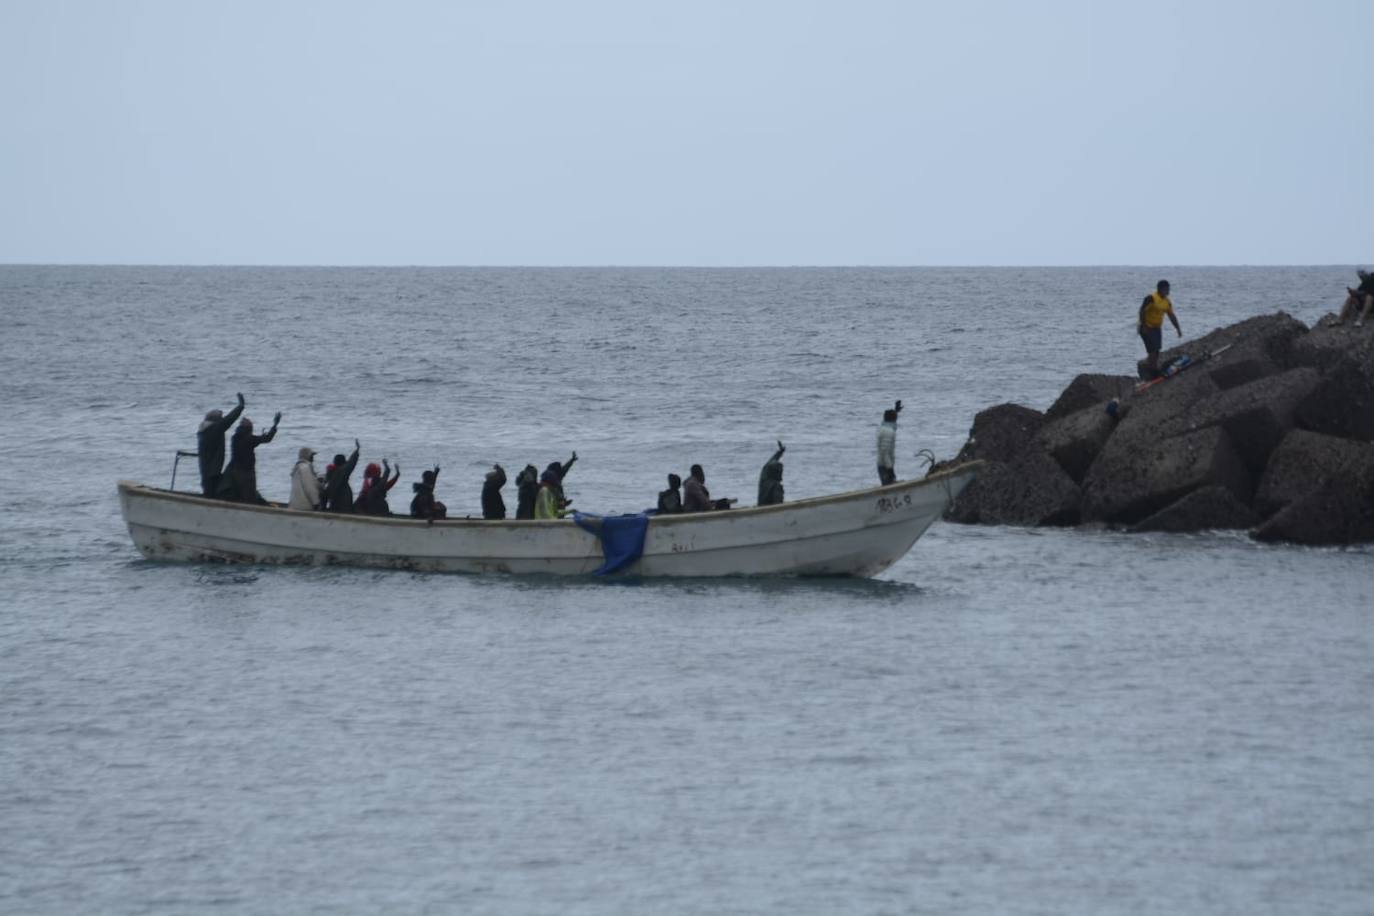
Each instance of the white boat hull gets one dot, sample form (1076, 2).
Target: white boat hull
(850, 534)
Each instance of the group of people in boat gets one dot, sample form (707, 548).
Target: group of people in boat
(539, 495)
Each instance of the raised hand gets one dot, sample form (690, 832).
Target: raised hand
(781, 447)
(276, 418)
(357, 447)
(241, 399)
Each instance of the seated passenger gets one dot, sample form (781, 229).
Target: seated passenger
(493, 505)
(338, 492)
(377, 482)
(670, 500)
(527, 484)
(696, 498)
(305, 483)
(424, 505)
(770, 479)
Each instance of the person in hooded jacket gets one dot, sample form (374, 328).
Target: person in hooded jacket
(377, 482)
(670, 500)
(424, 505)
(770, 479)
(210, 446)
(242, 474)
(493, 505)
(338, 492)
(548, 504)
(527, 490)
(305, 483)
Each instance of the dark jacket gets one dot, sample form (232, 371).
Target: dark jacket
(527, 482)
(770, 481)
(493, 504)
(424, 505)
(372, 501)
(670, 501)
(338, 493)
(698, 498)
(210, 446)
(243, 464)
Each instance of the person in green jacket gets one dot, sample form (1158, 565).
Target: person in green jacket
(547, 505)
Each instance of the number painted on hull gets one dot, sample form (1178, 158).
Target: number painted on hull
(894, 503)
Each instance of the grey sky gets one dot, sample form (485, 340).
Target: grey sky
(706, 133)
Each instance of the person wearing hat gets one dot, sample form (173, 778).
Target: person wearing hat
(1362, 295)
(210, 446)
(305, 483)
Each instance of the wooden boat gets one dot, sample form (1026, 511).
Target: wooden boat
(850, 534)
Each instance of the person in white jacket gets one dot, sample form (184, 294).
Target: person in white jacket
(305, 483)
(887, 445)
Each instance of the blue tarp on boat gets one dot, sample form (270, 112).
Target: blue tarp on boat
(621, 536)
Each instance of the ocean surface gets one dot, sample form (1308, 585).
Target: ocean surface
(1007, 721)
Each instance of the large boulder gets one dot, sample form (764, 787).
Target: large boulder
(1207, 509)
(1341, 511)
(1343, 404)
(1144, 411)
(1305, 462)
(1076, 440)
(1328, 344)
(1135, 477)
(1258, 347)
(1087, 390)
(1029, 490)
(1002, 433)
(1256, 416)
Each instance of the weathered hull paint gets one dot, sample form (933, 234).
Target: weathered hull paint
(850, 534)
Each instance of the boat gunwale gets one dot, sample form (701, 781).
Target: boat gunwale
(136, 488)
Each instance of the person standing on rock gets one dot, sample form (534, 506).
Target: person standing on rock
(1362, 295)
(1151, 324)
(887, 446)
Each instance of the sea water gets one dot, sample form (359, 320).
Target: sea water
(1008, 720)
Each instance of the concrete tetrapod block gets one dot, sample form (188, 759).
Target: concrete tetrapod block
(1340, 511)
(1089, 389)
(1030, 490)
(1206, 509)
(1002, 433)
(1076, 440)
(1272, 335)
(1343, 403)
(1306, 461)
(1137, 477)
(1256, 416)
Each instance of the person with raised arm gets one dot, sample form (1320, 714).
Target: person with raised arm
(770, 479)
(210, 446)
(338, 492)
(240, 481)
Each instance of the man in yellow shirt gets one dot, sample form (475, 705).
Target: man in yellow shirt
(1151, 323)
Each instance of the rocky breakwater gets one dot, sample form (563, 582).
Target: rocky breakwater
(1275, 435)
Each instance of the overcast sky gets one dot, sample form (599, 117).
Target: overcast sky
(703, 133)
